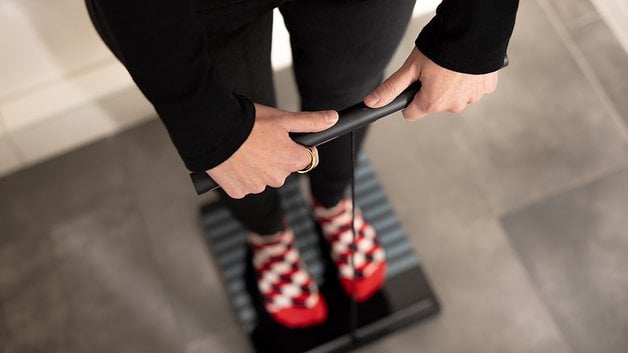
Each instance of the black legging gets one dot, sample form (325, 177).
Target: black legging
(339, 48)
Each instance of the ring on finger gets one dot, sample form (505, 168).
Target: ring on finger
(313, 162)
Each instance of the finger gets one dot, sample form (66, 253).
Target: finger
(418, 108)
(310, 121)
(305, 158)
(391, 88)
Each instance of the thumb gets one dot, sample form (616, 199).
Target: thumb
(391, 88)
(310, 121)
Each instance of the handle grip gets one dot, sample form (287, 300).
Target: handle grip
(349, 119)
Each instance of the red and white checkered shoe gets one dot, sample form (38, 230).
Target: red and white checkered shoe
(368, 255)
(290, 294)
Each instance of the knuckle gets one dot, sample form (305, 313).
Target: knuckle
(431, 104)
(236, 194)
(407, 115)
(311, 120)
(457, 108)
(276, 181)
(411, 114)
(257, 189)
(433, 107)
(390, 87)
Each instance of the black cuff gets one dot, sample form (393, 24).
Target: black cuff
(207, 141)
(457, 62)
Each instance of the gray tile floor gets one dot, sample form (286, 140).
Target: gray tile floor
(517, 210)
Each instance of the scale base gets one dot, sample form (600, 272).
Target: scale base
(405, 298)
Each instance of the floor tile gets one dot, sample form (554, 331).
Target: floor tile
(57, 134)
(9, 161)
(482, 287)
(59, 97)
(34, 306)
(171, 211)
(608, 60)
(286, 90)
(111, 280)
(61, 188)
(488, 302)
(424, 170)
(127, 108)
(95, 271)
(40, 42)
(227, 340)
(420, 164)
(615, 13)
(574, 12)
(538, 132)
(574, 247)
(22, 259)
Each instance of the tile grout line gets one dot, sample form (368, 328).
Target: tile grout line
(162, 278)
(154, 258)
(585, 67)
(584, 20)
(540, 296)
(492, 207)
(615, 15)
(12, 145)
(569, 186)
(63, 77)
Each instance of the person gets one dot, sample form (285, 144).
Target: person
(205, 67)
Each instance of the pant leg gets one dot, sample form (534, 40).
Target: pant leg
(340, 50)
(239, 34)
(244, 60)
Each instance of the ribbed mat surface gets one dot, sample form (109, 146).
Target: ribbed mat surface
(227, 237)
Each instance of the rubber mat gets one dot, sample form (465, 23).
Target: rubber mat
(405, 298)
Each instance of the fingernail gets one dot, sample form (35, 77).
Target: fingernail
(331, 116)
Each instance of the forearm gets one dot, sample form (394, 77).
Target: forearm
(164, 47)
(469, 36)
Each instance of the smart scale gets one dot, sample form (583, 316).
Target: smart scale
(405, 298)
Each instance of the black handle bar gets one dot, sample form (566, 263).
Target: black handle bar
(349, 119)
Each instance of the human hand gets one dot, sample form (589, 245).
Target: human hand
(441, 89)
(269, 155)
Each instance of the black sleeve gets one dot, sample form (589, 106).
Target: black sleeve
(469, 36)
(163, 45)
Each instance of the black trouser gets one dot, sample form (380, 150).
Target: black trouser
(339, 48)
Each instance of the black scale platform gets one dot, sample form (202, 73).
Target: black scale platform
(405, 298)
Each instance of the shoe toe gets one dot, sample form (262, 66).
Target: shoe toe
(366, 287)
(295, 317)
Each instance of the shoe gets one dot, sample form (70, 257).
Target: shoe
(368, 255)
(289, 293)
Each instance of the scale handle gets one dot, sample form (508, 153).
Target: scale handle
(349, 119)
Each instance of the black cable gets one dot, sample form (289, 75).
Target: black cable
(353, 309)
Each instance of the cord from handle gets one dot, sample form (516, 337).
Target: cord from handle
(353, 309)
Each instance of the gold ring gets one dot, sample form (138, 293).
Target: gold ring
(314, 162)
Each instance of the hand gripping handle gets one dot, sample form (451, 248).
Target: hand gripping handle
(350, 119)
